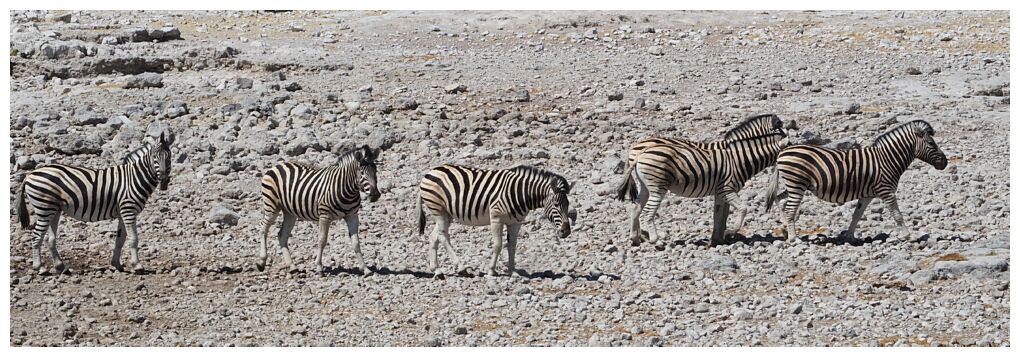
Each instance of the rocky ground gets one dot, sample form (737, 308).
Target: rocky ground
(568, 91)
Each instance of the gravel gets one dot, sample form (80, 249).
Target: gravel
(245, 90)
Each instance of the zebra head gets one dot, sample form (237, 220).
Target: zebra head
(925, 147)
(755, 126)
(366, 159)
(557, 206)
(159, 158)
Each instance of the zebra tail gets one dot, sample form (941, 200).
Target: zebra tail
(421, 218)
(771, 194)
(22, 208)
(627, 190)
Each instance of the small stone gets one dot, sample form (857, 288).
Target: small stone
(143, 80)
(656, 50)
(615, 96)
(223, 216)
(455, 88)
(165, 34)
(913, 71)
(854, 108)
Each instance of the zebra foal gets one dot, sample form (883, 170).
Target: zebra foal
(304, 192)
(496, 198)
(840, 176)
(92, 195)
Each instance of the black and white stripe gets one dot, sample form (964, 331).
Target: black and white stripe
(839, 176)
(752, 126)
(497, 198)
(719, 170)
(94, 195)
(304, 192)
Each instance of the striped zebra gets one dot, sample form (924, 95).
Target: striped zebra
(688, 170)
(839, 176)
(497, 198)
(94, 195)
(750, 127)
(304, 192)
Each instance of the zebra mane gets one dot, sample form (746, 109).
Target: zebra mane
(560, 184)
(888, 136)
(750, 122)
(362, 155)
(137, 154)
(750, 138)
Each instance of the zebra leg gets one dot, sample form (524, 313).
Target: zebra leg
(511, 246)
(648, 212)
(324, 223)
(635, 214)
(735, 203)
(497, 244)
(856, 218)
(791, 209)
(58, 264)
(38, 233)
(129, 217)
(118, 245)
(288, 225)
(720, 213)
(260, 263)
(352, 231)
(433, 253)
(894, 209)
(443, 227)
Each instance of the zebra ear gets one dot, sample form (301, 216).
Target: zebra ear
(921, 131)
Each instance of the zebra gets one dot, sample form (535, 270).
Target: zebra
(839, 176)
(304, 192)
(751, 126)
(93, 195)
(497, 198)
(688, 170)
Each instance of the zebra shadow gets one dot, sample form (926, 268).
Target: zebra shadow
(729, 239)
(840, 239)
(548, 274)
(545, 274)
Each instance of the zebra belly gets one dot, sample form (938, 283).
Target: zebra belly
(82, 215)
(314, 215)
(840, 198)
(690, 191)
(482, 220)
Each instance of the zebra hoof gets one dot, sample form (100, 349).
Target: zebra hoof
(260, 266)
(438, 273)
(367, 272)
(636, 241)
(59, 268)
(139, 269)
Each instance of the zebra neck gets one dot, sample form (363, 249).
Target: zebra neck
(345, 175)
(534, 194)
(144, 171)
(752, 159)
(896, 158)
